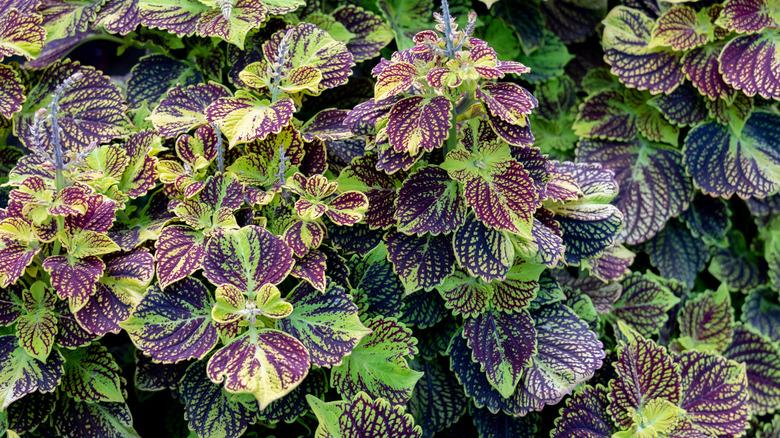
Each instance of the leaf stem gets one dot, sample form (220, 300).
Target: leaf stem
(220, 149)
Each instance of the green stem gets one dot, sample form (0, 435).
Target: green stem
(452, 138)
(122, 216)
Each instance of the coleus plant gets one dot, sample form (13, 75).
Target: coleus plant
(288, 234)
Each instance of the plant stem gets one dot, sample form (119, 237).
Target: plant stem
(220, 149)
(448, 33)
(452, 138)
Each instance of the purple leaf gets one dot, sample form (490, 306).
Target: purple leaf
(585, 415)
(483, 251)
(156, 74)
(12, 95)
(74, 279)
(676, 253)
(11, 304)
(311, 268)
(21, 32)
(14, 259)
(761, 312)
(761, 360)
(119, 16)
(174, 324)
(714, 393)
(180, 252)
(429, 202)
(503, 344)
(507, 101)
(326, 125)
(644, 303)
(293, 405)
(747, 63)
(23, 374)
(421, 262)
(371, 33)
(702, 68)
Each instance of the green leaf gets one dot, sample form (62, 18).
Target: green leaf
(92, 375)
(378, 364)
(37, 329)
(406, 17)
(22, 374)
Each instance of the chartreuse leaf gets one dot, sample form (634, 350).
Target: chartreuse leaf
(244, 118)
(12, 96)
(437, 400)
(706, 322)
(653, 184)
(748, 163)
(714, 393)
(266, 363)
(496, 186)
(378, 364)
(67, 18)
(21, 374)
(585, 414)
(174, 324)
(209, 409)
(761, 312)
(21, 34)
(645, 372)
(761, 360)
(659, 417)
(326, 323)
(644, 303)
(362, 417)
(92, 375)
(37, 327)
(627, 48)
(90, 111)
(503, 344)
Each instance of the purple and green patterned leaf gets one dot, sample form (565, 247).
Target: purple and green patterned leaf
(761, 312)
(749, 63)
(485, 252)
(74, 279)
(174, 324)
(708, 219)
(11, 304)
(714, 393)
(377, 288)
(507, 101)
(156, 74)
(12, 96)
(702, 68)
(31, 411)
(496, 186)
(420, 262)
(326, 323)
(102, 419)
(684, 106)
(770, 429)
(119, 291)
(92, 110)
(309, 46)
(761, 360)
(653, 184)
(37, 328)
(153, 376)
(371, 33)
(70, 334)
(211, 411)
(293, 405)
(13, 261)
(738, 266)
(362, 416)
(378, 364)
(677, 253)
(644, 372)
(644, 303)
(245, 16)
(585, 415)
(265, 363)
(21, 33)
(627, 49)
(465, 294)
(568, 353)
(312, 268)
(118, 16)
(245, 118)
(429, 202)
(395, 79)
(437, 400)
(724, 163)
(184, 108)
(347, 208)
(417, 123)
(706, 322)
(503, 344)
(65, 19)
(21, 374)
(423, 309)
(180, 252)
(326, 125)
(262, 257)
(610, 114)
(683, 28)
(588, 224)
(92, 375)
(746, 16)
